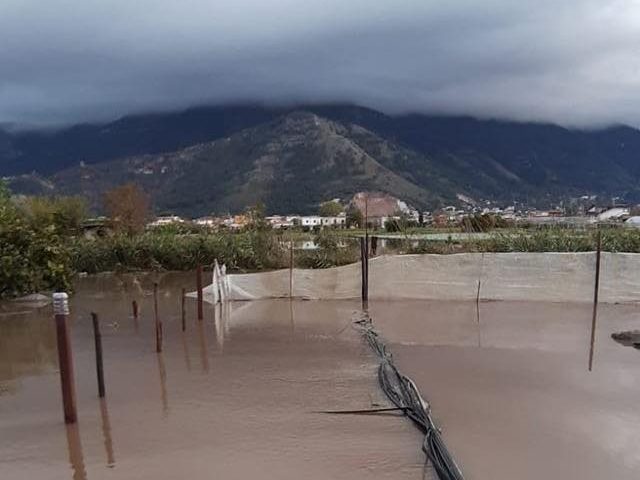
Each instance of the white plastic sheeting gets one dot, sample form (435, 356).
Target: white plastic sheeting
(555, 277)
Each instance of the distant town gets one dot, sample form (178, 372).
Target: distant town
(381, 211)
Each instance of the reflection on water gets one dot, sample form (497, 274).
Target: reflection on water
(185, 349)
(76, 458)
(204, 350)
(106, 432)
(163, 385)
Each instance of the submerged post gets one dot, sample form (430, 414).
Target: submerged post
(199, 287)
(291, 269)
(157, 319)
(134, 307)
(183, 310)
(98, 341)
(366, 270)
(364, 261)
(65, 360)
(595, 299)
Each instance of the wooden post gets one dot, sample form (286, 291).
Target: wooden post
(157, 319)
(366, 270)
(291, 269)
(199, 286)
(183, 310)
(98, 342)
(364, 261)
(362, 267)
(134, 307)
(65, 356)
(595, 299)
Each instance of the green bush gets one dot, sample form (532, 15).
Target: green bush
(32, 258)
(247, 251)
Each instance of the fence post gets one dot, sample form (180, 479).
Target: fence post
(98, 342)
(364, 262)
(291, 269)
(183, 310)
(199, 287)
(65, 356)
(595, 298)
(157, 318)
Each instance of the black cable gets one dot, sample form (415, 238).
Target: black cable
(404, 394)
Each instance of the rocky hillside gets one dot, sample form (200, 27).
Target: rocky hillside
(220, 159)
(291, 164)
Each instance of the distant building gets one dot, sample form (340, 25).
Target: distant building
(379, 207)
(210, 222)
(615, 213)
(339, 220)
(633, 222)
(96, 227)
(166, 220)
(280, 221)
(311, 221)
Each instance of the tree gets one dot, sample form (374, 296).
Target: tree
(330, 209)
(354, 217)
(66, 214)
(256, 217)
(128, 208)
(32, 257)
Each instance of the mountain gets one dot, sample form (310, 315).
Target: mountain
(291, 164)
(222, 158)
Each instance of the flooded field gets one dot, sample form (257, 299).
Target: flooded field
(235, 397)
(240, 394)
(511, 390)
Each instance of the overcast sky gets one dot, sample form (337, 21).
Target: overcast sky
(574, 62)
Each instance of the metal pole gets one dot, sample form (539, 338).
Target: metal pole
(291, 269)
(134, 307)
(595, 299)
(98, 341)
(183, 310)
(199, 286)
(157, 319)
(366, 271)
(65, 356)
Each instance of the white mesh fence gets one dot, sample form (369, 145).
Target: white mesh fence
(556, 277)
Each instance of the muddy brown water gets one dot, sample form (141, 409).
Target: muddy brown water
(238, 395)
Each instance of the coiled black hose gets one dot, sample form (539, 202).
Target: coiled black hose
(404, 394)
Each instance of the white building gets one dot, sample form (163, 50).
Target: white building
(613, 214)
(311, 221)
(280, 221)
(166, 220)
(633, 222)
(205, 221)
(337, 221)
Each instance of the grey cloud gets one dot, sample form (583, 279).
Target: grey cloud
(575, 62)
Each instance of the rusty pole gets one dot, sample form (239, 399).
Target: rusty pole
(291, 269)
(98, 342)
(183, 310)
(364, 260)
(65, 356)
(157, 319)
(595, 299)
(199, 287)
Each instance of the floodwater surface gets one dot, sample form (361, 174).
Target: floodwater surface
(509, 385)
(239, 395)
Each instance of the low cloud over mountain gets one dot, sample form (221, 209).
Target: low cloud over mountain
(575, 62)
